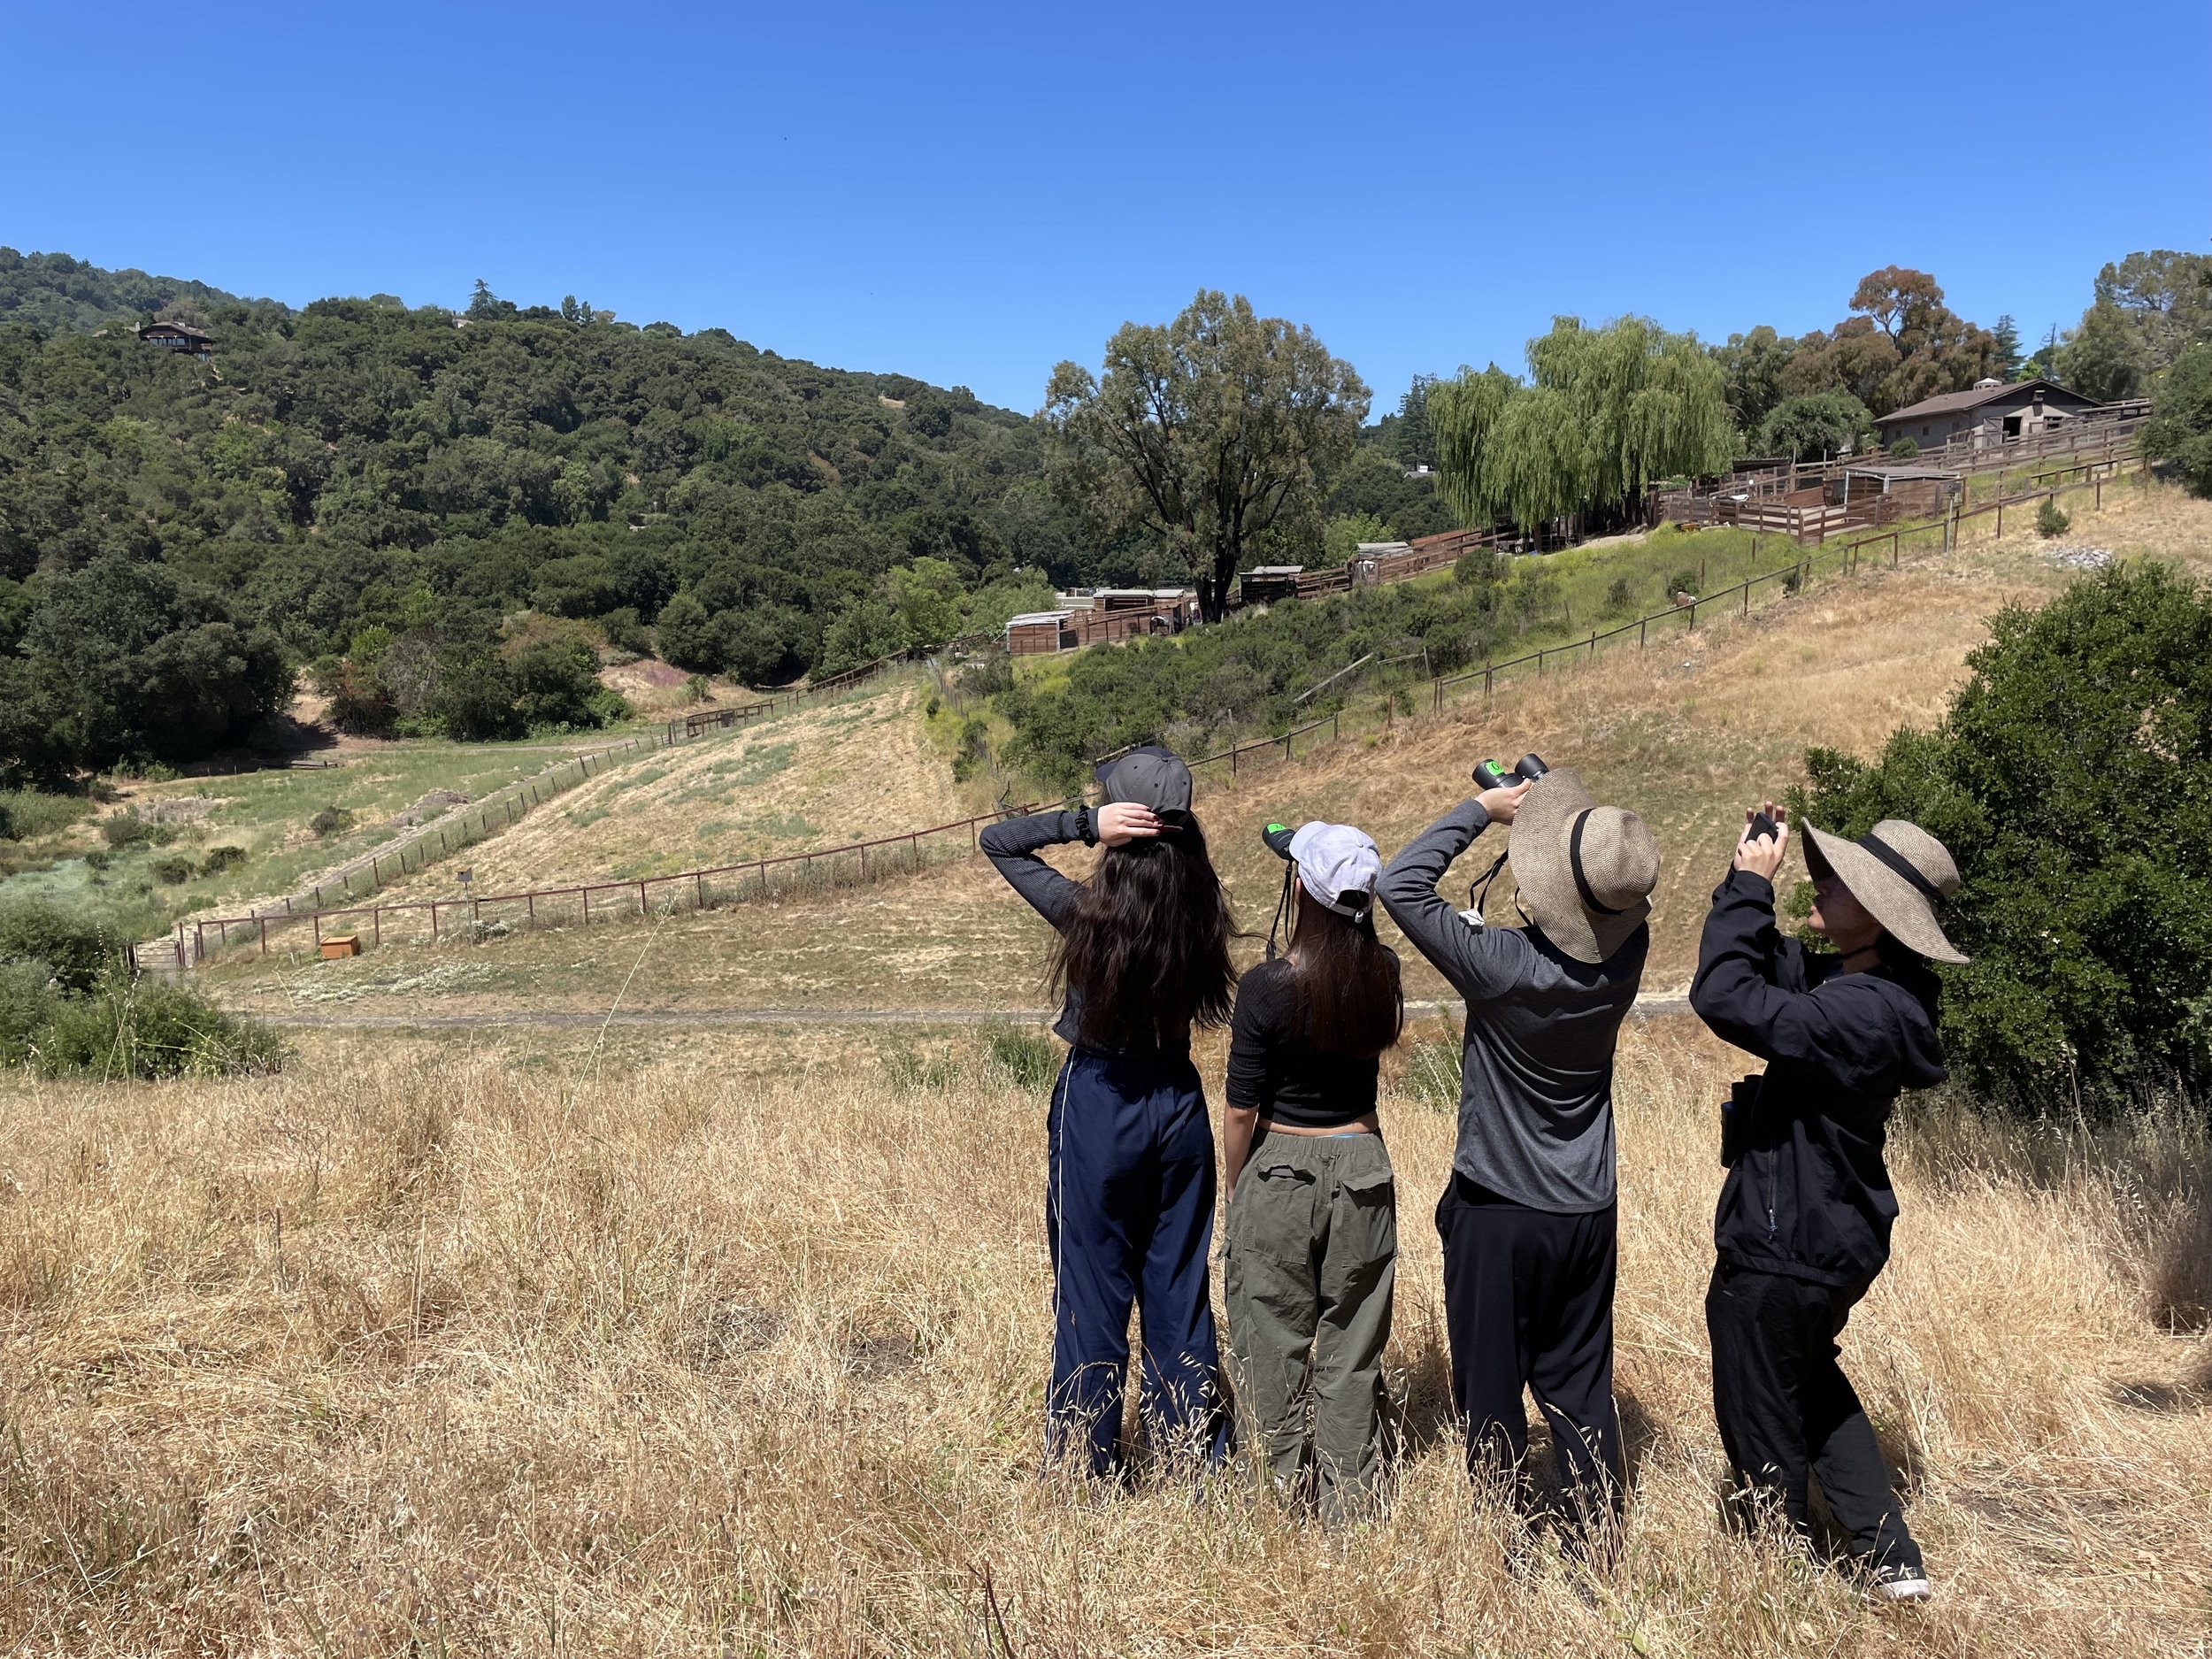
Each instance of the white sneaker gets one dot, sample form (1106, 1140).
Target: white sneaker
(1893, 1581)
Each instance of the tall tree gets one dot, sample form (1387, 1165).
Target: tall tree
(2145, 311)
(1606, 412)
(1416, 444)
(1208, 433)
(1751, 368)
(2009, 356)
(1903, 345)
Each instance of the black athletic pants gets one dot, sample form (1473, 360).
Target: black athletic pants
(1785, 1408)
(1528, 1303)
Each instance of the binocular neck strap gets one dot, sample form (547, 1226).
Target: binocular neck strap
(1282, 913)
(1478, 889)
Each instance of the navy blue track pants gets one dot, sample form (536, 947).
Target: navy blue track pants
(1129, 1212)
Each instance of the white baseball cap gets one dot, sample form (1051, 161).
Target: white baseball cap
(1337, 865)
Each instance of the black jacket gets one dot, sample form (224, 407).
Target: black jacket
(1808, 1195)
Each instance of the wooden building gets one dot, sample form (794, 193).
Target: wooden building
(1990, 412)
(177, 337)
(1036, 632)
(1264, 584)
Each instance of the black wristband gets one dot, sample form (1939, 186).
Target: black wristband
(1083, 826)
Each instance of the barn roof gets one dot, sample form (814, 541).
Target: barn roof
(1957, 403)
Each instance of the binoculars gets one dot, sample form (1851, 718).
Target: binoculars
(1490, 774)
(1277, 837)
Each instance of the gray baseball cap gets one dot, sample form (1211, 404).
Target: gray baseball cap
(1149, 777)
(1337, 865)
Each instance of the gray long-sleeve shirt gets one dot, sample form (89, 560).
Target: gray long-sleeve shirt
(1536, 1090)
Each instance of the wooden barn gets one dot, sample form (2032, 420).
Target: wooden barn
(1992, 411)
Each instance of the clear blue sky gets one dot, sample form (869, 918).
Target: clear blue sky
(970, 194)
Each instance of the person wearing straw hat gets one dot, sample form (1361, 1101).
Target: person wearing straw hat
(1803, 1223)
(1528, 1220)
(1312, 1248)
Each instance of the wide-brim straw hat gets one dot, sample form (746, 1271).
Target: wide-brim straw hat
(1585, 871)
(1900, 873)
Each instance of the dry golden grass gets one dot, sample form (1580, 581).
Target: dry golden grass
(472, 1348)
(818, 777)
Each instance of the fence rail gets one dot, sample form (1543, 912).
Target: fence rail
(191, 944)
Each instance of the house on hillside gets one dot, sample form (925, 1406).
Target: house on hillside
(1992, 411)
(177, 337)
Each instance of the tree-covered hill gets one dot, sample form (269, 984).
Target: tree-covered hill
(357, 479)
(61, 294)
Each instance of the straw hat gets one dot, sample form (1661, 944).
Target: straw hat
(1585, 871)
(1899, 873)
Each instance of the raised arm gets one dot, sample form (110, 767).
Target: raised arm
(1841, 1029)
(1012, 844)
(1478, 961)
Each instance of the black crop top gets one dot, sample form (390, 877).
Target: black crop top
(1272, 1070)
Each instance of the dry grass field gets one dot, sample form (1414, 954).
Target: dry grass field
(817, 778)
(735, 1345)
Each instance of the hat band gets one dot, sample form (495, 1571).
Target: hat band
(1574, 862)
(1897, 863)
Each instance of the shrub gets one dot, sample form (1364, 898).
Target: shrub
(969, 759)
(1685, 580)
(2050, 520)
(625, 632)
(122, 830)
(1028, 1059)
(1904, 449)
(132, 1027)
(695, 688)
(332, 820)
(67, 948)
(27, 814)
(27, 998)
(173, 870)
(1618, 600)
(2072, 780)
(222, 859)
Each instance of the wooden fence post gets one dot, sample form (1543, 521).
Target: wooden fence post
(376, 922)
(265, 935)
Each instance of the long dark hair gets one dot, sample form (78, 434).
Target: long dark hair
(1350, 998)
(1146, 950)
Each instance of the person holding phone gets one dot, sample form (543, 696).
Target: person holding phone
(1803, 1223)
(1143, 956)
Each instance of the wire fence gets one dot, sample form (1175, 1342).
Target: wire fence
(796, 874)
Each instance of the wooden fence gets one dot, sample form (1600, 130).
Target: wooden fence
(192, 944)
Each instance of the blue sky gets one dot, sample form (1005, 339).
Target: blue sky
(970, 194)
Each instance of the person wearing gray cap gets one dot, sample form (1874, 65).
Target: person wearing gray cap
(1142, 955)
(1528, 1221)
(1803, 1223)
(1312, 1251)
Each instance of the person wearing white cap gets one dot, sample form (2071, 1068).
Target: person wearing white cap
(1803, 1222)
(1529, 1221)
(1312, 1251)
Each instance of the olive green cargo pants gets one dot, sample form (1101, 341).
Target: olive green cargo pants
(1309, 1267)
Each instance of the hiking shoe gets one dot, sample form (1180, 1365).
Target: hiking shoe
(1894, 1581)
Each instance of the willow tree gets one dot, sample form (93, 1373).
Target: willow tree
(1604, 414)
(1206, 434)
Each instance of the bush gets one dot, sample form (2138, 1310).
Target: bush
(174, 870)
(2072, 780)
(625, 632)
(27, 814)
(2050, 519)
(1685, 580)
(132, 1027)
(27, 999)
(122, 830)
(1618, 600)
(332, 820)
(1028, 1059)
(222, 859)
(1904, 449)
(68, 949)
